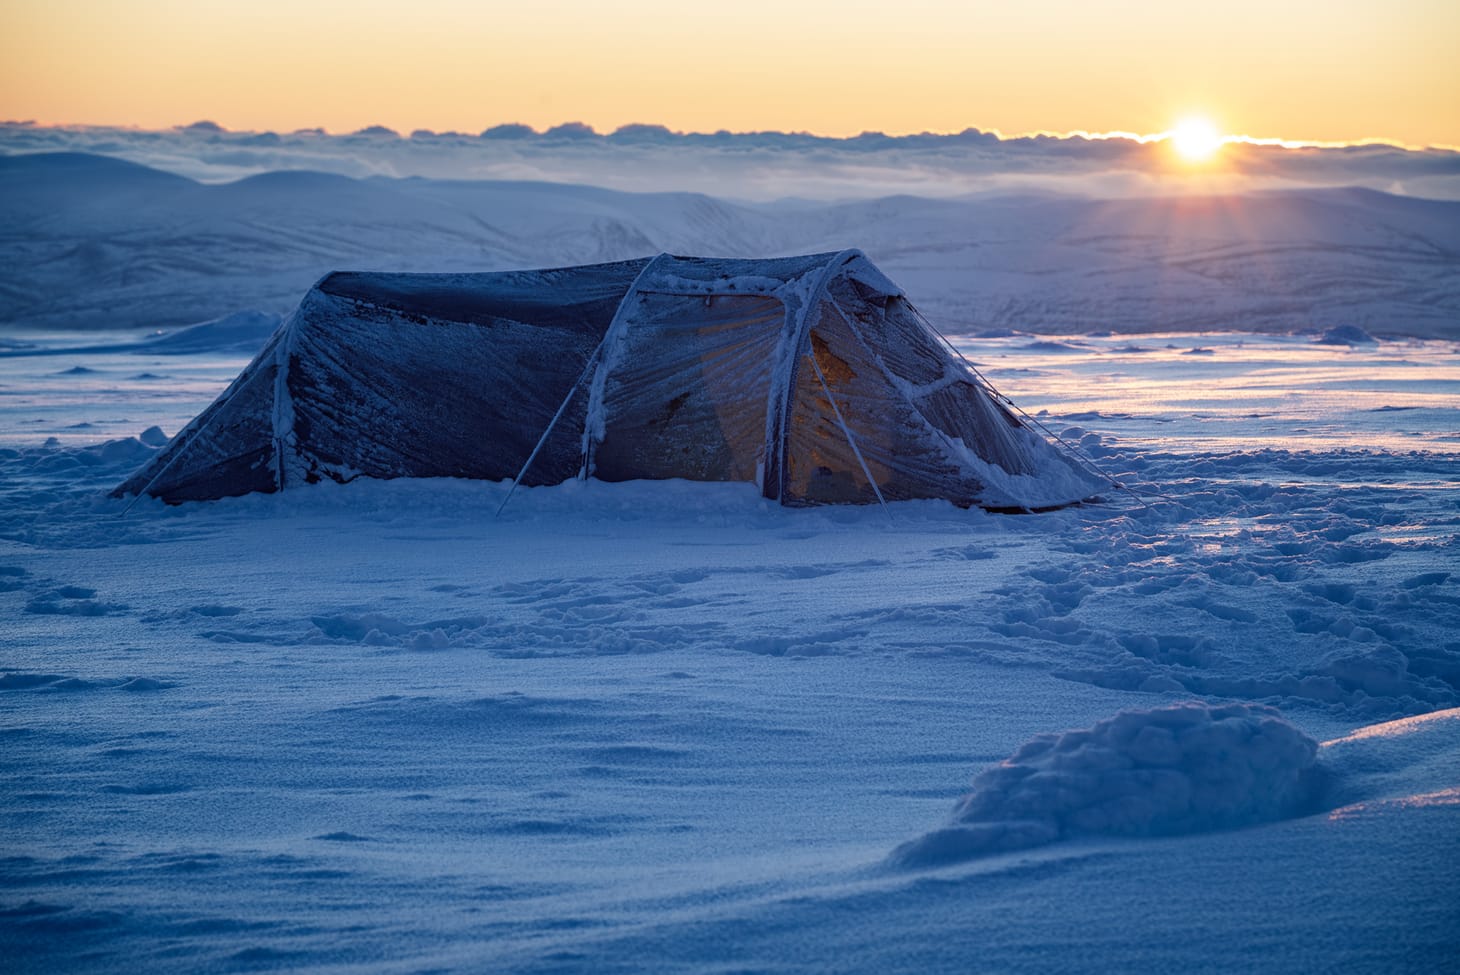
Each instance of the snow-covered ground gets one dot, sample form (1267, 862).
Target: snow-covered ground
(673, 727)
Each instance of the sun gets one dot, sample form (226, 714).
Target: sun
(1195, 139)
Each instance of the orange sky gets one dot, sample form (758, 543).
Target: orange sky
(1338, 70)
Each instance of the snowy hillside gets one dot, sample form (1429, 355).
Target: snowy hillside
(91, 242)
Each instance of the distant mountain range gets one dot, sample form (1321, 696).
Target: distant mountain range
(94, 242)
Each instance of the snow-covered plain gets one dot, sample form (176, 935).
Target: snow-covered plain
(674, 727)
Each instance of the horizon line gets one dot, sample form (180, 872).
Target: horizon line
(586, 130)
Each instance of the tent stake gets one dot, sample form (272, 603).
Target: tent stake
(587, 367)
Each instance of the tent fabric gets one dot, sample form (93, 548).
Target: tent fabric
(811, 377)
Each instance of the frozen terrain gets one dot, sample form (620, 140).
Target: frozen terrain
(94, 242)
(1208, 725)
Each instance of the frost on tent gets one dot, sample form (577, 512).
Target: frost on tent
(811, 377)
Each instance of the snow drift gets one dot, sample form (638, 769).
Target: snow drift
(1183, 769)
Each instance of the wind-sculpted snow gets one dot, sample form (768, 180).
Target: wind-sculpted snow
(373, 726)
(1183, 769)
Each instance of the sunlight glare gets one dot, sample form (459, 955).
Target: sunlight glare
(1195, 139)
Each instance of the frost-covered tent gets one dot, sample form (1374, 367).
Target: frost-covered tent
(811, 377)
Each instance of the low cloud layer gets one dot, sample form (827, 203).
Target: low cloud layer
(758, 166)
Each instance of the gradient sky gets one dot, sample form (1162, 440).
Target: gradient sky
(1323, 70)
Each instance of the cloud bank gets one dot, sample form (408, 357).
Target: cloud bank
(759, 166)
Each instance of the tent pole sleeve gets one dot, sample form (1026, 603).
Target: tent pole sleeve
(595, 422)
(810, 302)
(587, 367)
(851, 441)
(283, 407)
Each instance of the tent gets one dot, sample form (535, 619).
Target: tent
(811, 377)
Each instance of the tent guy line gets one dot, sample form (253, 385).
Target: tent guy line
(587, 368)
(1074, 450)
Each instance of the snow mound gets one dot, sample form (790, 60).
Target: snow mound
(153, 436)
(242, 331)
(1393, 762)
(1346, 335)
(1187, 768)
